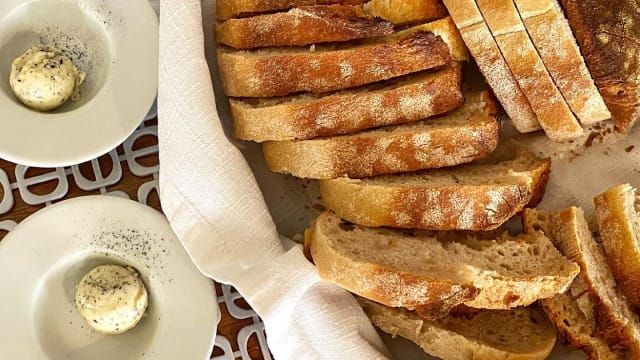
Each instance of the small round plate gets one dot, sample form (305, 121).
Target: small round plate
(114, 42)
(46, 255)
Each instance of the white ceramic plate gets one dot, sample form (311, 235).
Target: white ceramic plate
(43, 258)
(115, 42)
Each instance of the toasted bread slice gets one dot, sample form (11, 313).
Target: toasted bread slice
(523, 333)
(608, 33)
(418, 269)
(468, 133)
(569, 232)
(226, 9)
(307, 116)
(553, 38)
(492, 65)
(283, 71)
(406, 12)
(618, 218)
(545, 99)
(469, 197)
(301, 26)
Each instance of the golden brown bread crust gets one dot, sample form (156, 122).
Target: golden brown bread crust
(545, 99)
(361, 155)
(268, 75)
(406, 12)
(458, 208)
(608, 33)
(421, 96)
(301, 26)
(492, 65)
(233, 8)
(557, 47)
(614, 209)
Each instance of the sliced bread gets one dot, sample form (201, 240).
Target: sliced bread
(468, 133)
(609, 36)
(617, 212)
(301, 26)
(553, 38)
(569, 232)
(282, 71)
(414, 269)
(406, 12)
(226, 9)
(469, 197)
(523, 333)
(545, 99)
(492, 65)
(307, 116)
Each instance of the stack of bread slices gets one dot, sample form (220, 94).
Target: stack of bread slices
(368, 98)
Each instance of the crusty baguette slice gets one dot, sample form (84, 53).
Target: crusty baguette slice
(522, 333)
(422, 269)
(569, 232)
(406, 12)
(545, 99)
(468, 133)
(226, 9)
(492, 65)
(282, 71)
(608, 33)
(301, 117)
(470, 197)
(301, 26)
(617, 211)
(553, 38)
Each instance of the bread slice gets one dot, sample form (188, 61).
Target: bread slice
(282, 71)
(547, 103)
(608, 33)
(226, 9)
(569, 232)
(301, 26)
(492, 65)
(553, 38)
(576, 327)
(417, 269)
(307, 116)
(470, 197)
(468, 133)
(406, 12)
(523, 333)
(617, 214)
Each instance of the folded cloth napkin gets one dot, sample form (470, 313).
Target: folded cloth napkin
(214, 205)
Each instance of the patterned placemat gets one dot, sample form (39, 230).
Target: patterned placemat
(129, 171)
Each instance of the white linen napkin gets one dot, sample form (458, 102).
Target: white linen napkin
(214, 205)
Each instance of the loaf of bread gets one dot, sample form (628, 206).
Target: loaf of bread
(608, 33)
(553, 38)
(569, 232)
(618, 219)
(423, 270)
(545, 99)
(485, 51)
(301, 26)
(522, 333)
(469, 197)
(396, 101)
(468, 133)
(282, 71)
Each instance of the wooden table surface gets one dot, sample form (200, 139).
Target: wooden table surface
(229, 326)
